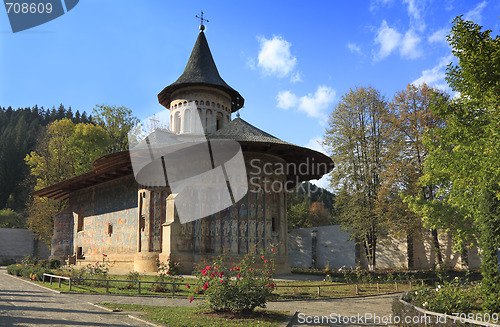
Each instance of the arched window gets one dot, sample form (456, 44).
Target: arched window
(177, 128)
(202, 103)
(213, 104)
(209, 122)
(196, 102)
(187, 121)
(219, 122)
(218, 105)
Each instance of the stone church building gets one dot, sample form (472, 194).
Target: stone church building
(110, 213)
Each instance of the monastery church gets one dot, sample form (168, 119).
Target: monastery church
(110, 212)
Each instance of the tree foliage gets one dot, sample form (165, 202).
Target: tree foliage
(117, 121)
(409, 118)
(357, 142)
(310, 206)
(19, 132)
(463, 154)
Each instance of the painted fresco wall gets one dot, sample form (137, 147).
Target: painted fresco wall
(113, 203)
(62, 239)
(255, 223)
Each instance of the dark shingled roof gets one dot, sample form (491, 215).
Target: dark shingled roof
(201, 71)
(253, 139)
(240, 130)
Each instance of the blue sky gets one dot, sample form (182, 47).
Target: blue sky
(291, 60)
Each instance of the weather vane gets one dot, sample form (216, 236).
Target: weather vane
(202, 27)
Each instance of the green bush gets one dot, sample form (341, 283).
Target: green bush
(450, 297)
(239, 287)
(15, 269)
(30, 271)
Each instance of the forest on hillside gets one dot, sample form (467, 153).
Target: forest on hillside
(19, 131)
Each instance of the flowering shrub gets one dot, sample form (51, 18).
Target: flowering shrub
(167, 273)
(450, 297)
(235, 287)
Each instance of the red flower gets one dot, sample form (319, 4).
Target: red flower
(187, 285)
(239, 276)
(265, 260)
(262, 257)
(272, 249)
(221, 281)
(221, 274)
(249, 269)
(205, 286)
(191, 299)
(270, 285)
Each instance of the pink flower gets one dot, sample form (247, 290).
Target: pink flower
(272, 249)
(221, 281)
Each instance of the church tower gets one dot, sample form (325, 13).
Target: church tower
(202, 85)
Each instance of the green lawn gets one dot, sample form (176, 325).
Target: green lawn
(285, 290)
(198, 317)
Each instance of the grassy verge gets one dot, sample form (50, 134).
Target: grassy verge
(285, 290)
(197, 317)
(334, 290)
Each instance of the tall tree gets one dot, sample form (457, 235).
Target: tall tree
(464, 154)
(64, 150)
(409, 118)
(357, 142)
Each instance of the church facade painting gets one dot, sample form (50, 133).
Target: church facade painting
(135, 225)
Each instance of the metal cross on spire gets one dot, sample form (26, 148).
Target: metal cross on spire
(202, 27)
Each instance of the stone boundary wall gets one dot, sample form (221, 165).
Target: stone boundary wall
(17, 243)
(329, 246)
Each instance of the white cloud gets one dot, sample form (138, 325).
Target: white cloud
(354, 48)
(476, 14)
(415, 9)
(323, 182)
(315, 144)
(315, 105)
(375, 4)
(435, 76)
(389, 40)
(297, 77)
(286, 100)
(409, 46)
(439, 36)
(275, 57)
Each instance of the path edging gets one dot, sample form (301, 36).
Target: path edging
(447, 316)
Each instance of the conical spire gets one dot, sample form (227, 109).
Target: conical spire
(201, 71)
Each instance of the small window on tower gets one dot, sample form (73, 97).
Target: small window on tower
(110, 229)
